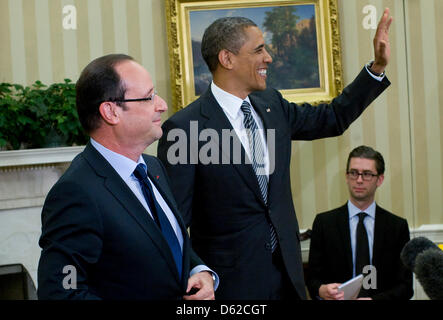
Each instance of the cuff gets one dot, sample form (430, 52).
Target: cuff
(378, 77)
(201, 268)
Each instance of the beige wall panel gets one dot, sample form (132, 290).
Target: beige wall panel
(44, 55)
(438, 5)
(70, 48)
(95, 30)
(57, 51)
(120, 26)
(31, 52)
(17, 41)
(418, 112)
(107, 18)
(426, 108)
(433, 113)
(5, 38)
(133, 27)
(398, 168)
(160, 51)
(83, 31)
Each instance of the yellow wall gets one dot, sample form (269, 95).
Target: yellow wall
(403, 124)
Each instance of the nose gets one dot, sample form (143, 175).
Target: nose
(268, 58)
(160, 104)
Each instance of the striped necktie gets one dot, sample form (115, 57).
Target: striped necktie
(257, 158)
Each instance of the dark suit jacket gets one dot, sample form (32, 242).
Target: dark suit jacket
(93, 221)
(222, 203)
(330, 253)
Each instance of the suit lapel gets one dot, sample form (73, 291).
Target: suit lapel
(217, 120)
(123, 194)
(379, 233)
(343, 226)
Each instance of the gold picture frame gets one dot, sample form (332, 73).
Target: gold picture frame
(327, 79)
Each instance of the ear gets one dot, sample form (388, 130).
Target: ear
(380, 180)
(108, 111)
(225, 58)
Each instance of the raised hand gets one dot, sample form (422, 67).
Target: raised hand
(382, 48)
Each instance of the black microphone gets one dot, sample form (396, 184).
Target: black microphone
(425, 259)
(412, 248)
(429, 272)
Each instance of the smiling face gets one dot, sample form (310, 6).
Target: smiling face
(140, 120)
(249, 66)
(363, 191)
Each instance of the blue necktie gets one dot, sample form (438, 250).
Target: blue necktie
(257, 155)
(160, 217)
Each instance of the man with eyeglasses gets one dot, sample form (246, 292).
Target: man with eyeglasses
(346, 240)
(110, 225)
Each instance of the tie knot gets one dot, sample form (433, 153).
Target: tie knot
(246, 108)
(140, 172)
(361, 216)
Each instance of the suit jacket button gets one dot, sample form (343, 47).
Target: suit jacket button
(268, 246)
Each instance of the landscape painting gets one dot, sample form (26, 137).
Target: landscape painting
(290, 36)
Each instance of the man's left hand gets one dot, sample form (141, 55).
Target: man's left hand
(382, 48)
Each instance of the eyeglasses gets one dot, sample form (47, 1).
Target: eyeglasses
(154, 93)
(366, 175)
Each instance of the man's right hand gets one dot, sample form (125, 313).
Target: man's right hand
(330, 292)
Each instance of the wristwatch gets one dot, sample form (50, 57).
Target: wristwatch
(213, 277)
(369, 65)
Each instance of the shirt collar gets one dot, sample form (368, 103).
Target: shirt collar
(230, 104)
(353, 210)
(123, 165)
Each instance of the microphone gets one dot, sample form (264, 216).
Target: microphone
(413, 248)
(425, 259)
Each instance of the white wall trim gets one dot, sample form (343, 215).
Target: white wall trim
(38, 156)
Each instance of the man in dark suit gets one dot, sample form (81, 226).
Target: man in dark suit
(110, 225)
(335, 249)
(234, 190)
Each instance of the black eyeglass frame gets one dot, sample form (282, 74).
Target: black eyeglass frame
(151, 98)
(366, 176)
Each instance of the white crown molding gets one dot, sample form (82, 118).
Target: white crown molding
(38, 156)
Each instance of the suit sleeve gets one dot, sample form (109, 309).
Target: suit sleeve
(316, 259)
(71, 243)
(402, 290)
(175, 156)
(309, 122)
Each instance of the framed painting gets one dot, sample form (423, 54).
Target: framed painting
(302, 37)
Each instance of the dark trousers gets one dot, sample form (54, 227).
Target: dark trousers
(281, 287)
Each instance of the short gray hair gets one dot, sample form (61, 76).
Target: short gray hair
(224, 33)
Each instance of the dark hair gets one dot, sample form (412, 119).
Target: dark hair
(366, 152)
(98, 82)
(224, 33)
